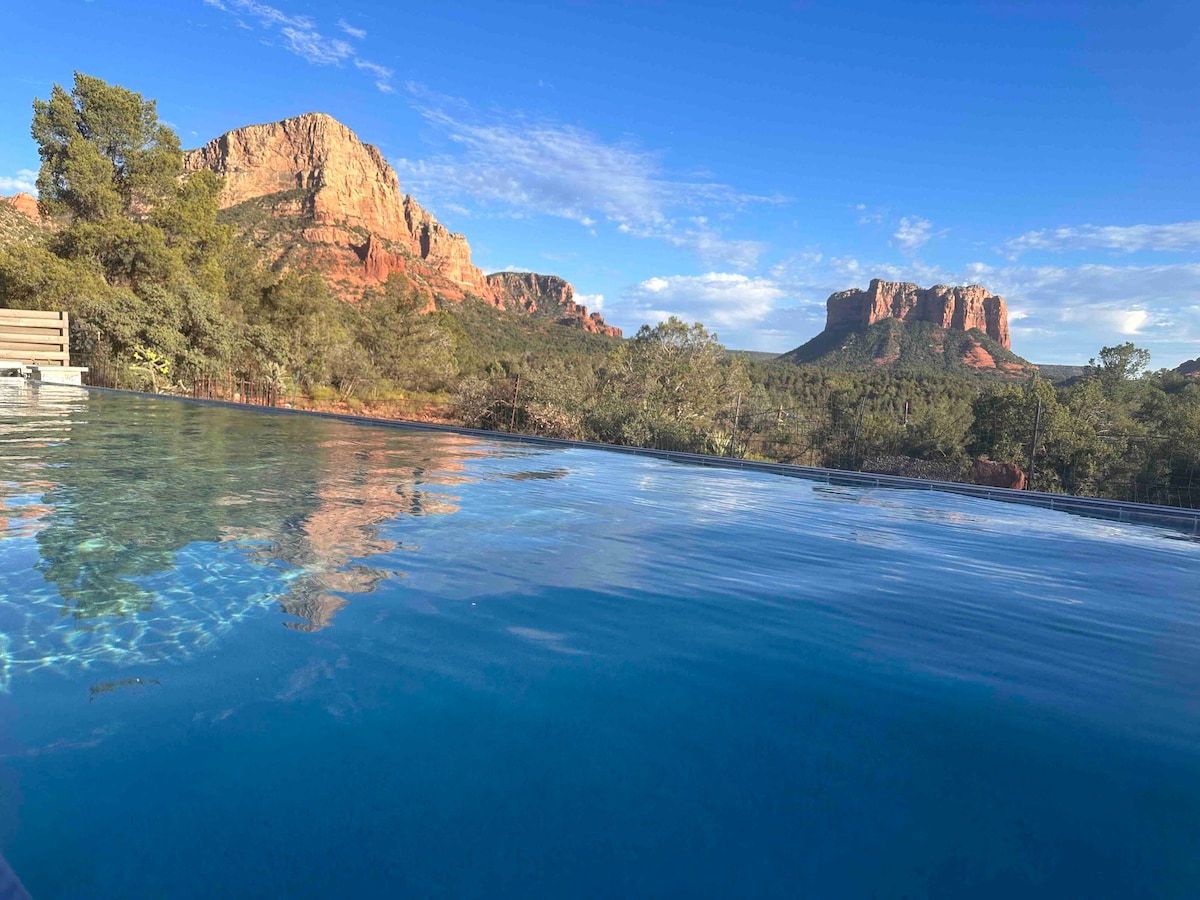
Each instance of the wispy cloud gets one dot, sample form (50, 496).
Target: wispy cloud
(25, 181)
(1175, 236)
(868, 215)
(300, 35)
(518, 165)
(913, 232)
(594, 302)
(383, 75)
(716, 298)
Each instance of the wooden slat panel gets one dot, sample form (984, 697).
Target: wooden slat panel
(30, 337)
(32, 314)
(28, 342)
(55, 333)
(35, 336)
(25, 322)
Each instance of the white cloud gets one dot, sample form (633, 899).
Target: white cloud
(716, 298)
(383, 75)
(1176, 236)
(310, 45)
(1127, 322)
(299, 35)
(25, 181)
(594, 302)
(521, 166)
(913, 233)
(867, 216)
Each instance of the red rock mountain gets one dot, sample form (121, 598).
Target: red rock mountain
(314, 196)
(26, 205)
(953, 330)
(961, 308)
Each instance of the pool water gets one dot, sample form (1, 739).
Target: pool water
(259, 655)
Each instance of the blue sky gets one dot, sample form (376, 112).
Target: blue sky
(733, 164)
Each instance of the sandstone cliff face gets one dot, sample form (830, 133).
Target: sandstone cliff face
(20, 219)
(317, 197)
(960, 308)
(547, 295)
(26, 205)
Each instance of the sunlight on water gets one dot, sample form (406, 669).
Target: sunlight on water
(568, 663)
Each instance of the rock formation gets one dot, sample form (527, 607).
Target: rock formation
(314, 196)
(960, 308)
(20, 219)
(951, 330)
(1190, 369)
(26, 205)
(547, 295)
(997, 474)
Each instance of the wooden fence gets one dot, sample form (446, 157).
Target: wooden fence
(34, 337)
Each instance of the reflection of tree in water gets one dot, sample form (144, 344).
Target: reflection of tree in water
(132, 483)
(135, 483)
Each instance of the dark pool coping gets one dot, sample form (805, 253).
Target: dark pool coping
(1176, 518)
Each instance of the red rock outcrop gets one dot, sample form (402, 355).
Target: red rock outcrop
(331, 203)
(26, 205)
(961, 308)
(996, 474)
(547, 295)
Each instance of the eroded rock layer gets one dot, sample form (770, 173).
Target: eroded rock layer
(960, 308)
(314, 196)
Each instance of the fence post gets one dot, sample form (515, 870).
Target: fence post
(1037, 424)
(737, 414)
(512, 422)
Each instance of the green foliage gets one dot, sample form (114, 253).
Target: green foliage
(161, 293)
(150, 366)
(104, 153)
(911, 348)
(406, 346)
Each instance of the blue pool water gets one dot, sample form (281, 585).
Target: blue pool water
(264, 656)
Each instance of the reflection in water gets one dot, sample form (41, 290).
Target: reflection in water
(132, 511)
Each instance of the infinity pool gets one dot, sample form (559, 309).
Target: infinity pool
(261, 655)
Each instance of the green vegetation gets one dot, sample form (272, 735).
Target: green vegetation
(164, 296)
(910, 347)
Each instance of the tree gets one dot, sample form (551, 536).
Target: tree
(406, 345)
(104, 153)
(1120, 364)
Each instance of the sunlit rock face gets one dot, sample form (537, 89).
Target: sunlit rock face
(547, 295)
(314, 196)
(961, 308)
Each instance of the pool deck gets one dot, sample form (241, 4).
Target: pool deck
(1176, 518)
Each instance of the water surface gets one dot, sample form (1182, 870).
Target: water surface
(262, 655)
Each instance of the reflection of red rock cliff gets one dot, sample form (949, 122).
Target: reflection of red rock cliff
(961, 308)
(366, 484)
(313, 195)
